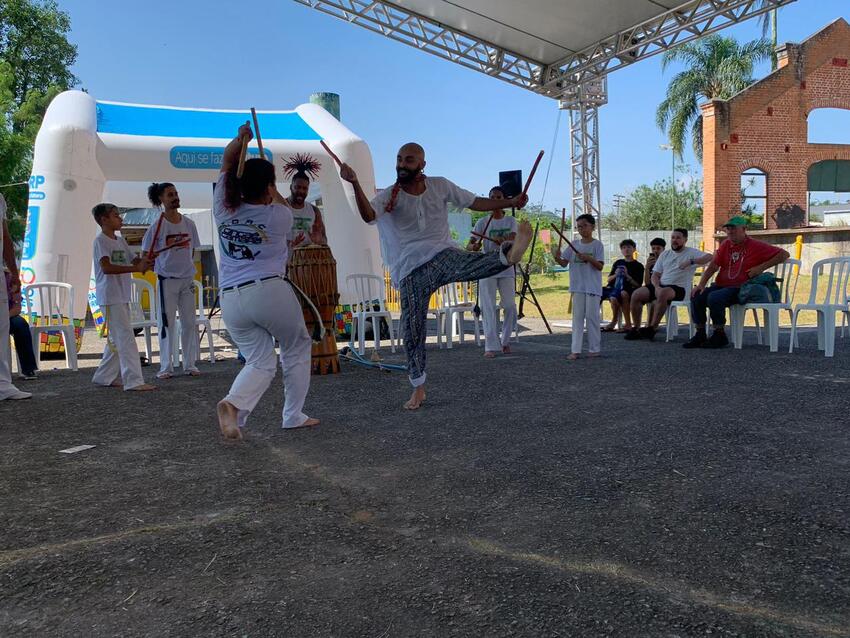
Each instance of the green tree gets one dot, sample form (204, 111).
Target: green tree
(769, 23)
(35, 61)
(718, 67)
(649, 207)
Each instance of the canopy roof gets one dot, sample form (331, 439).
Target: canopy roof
(547, 46)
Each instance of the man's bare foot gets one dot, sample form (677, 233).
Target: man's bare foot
(506, 349)
(309, 423)
(227, 415)
(572, 356)
(523, 239)
(489, 355)
(416, 399)
(145, 387)
(116, 384)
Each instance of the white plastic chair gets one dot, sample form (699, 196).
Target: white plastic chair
(450, 315)
(200, 320)
(786, 274)
(671, 317)
(836, 273)
(368, 290)
(138, 317)
(55, 303)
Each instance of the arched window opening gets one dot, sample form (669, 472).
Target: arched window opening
(829, 126)
(754, 196)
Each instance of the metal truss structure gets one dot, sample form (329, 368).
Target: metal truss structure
(577, 80)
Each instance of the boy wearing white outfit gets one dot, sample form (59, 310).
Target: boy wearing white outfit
(171, 241)
(7, 250)
(498, 228)
(258, 305)
(585, 285)
(113, 267)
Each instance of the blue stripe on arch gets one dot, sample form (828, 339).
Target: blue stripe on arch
(127, 119)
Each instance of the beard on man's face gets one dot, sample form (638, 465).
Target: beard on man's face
(405, 175)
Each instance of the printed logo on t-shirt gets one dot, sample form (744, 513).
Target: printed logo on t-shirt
(303, 224)
(118, 257)
(179, 240)
(500, 233)
(240, 240)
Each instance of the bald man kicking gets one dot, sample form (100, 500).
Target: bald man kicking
(413, 222)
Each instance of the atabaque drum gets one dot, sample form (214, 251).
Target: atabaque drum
(313, 270)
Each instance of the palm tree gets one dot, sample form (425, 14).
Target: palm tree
(718, 68)
(770, 26)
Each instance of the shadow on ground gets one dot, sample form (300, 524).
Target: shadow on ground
(652, 492)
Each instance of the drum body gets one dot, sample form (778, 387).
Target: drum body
(313, 270)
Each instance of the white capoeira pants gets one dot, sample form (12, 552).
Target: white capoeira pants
(120, 360)
(177, 295)
(7, 389)
(586, 316)
(253, 315)
(490, 313)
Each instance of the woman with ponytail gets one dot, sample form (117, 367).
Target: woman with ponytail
(258, 305)
(413, 221)
(171, 241)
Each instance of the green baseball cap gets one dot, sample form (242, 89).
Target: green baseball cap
(737, 220)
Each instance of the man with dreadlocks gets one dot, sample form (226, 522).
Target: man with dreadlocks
(412, 219)
(307, 225)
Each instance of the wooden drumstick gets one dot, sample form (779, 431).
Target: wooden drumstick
(242, 153)
(531, 174)
(569, 243)
(257, 131)
(563, 222)
(330, 152)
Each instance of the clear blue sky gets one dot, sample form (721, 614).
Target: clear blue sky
(217, 54)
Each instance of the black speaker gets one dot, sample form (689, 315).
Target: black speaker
(510, 182)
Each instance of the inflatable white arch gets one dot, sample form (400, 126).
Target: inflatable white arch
(84, 145)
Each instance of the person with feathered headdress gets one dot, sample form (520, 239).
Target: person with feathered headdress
(307, 226)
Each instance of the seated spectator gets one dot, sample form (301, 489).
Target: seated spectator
(738, 259)
(625, 277)
(672, 276)
(21, 335)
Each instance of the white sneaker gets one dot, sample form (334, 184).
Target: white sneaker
(17, 395)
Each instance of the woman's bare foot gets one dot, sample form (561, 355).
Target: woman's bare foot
(572, 356)
(309, 423)
(227, 415)
(416, 399)
(489, 355)
(145, 387)
(520, 245)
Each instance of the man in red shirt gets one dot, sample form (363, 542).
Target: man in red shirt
(738, 259)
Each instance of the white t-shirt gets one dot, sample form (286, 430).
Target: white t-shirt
(112, 289)
(418, 227)
(499, 229)
(252, 238)
(668, 267)
(302, 223)
(584, 278)
(175, 262)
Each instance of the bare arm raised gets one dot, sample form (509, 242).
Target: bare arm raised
(234, 148)
(364, 206)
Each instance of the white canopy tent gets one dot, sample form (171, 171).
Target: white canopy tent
(559, 48)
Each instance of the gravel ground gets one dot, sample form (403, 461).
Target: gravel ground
(652, 492)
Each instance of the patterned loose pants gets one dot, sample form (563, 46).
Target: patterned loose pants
(448, 266)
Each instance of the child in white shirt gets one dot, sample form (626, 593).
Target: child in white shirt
(585, 285)
(113, 266)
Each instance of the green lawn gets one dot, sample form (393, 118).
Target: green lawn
(553, 295)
